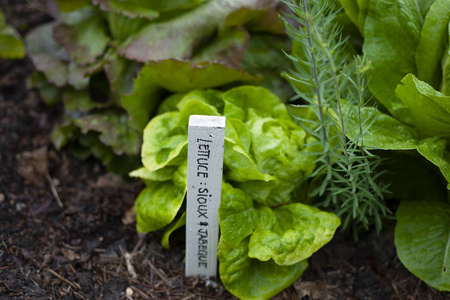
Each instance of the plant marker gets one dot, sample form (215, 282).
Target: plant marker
(206, 136)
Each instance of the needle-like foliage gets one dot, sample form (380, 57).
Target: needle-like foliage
(332, 83)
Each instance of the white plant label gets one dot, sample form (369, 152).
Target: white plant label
(205, 167)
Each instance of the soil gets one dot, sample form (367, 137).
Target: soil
(67, 229)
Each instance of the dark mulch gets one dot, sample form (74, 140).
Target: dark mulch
(89, 248)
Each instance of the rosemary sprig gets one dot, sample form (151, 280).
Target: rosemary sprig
(332, 84)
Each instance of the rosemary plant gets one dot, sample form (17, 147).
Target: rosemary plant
(332, 83)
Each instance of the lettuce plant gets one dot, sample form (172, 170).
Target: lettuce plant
(407, 43)
(111, 62)
(11, 45)
(267, 233)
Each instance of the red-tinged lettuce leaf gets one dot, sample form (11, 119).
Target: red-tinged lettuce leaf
(120, 73)
(69, 6)
(114, 131)
(422, 238)
(121, 27)
(47, 55)
(177, 37)
(181, 76)
(80, 101)
(227, 48)
(251, 279)
(89, 144)
(79, 76)
(264, 56)
(85, 42)
(130, 8)
(257, 20)
(75, 17)
(149, 9)
(175, 76)
(50, 93)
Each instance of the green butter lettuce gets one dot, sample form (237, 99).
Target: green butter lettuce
(265, 228)
(293, 234)
(249, 278)
(151, 212)
(237, 215)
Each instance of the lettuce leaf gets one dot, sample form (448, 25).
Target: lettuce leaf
(85, 42)
(158, 204)
(249, 278)
(429, 109)
(392, 34)
(445, 84)
(390, 134)
(11, 45)
(47, 55)
(356, 10)
(176, 38)
(433, 40)
(422, 238)
(292, 233)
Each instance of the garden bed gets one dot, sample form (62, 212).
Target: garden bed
(89, 248)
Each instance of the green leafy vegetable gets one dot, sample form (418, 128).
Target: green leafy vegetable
(158, 204)
(356, 11)
(294, 233)
(249, 278)
(11, 45)
(84, 42)
(392, 34)
(422, 237)
(176, 38)
(260, 216)
(433, 40)
(427, 107)
(408, 43)
(92, 58)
